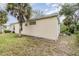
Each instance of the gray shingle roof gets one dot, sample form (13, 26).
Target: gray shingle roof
(44, 17)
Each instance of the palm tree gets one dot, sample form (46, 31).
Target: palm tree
(22, 11)
(68, 11)
(76, 15)
(76, 10)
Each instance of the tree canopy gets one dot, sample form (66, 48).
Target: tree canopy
(22, 11)
(68, 10)
(3, 17)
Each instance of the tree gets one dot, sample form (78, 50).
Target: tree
(77, 16)
(3, 17)
(67, 21)
(68, 11)
(22, 11)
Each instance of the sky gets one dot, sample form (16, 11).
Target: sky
(47, 8)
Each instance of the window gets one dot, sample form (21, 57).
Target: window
(32, 22)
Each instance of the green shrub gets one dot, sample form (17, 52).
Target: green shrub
(7, 31)
(67, 33)
(76, 32)
(77, 36)
(72, 28)
(63, 28)
(77, 27)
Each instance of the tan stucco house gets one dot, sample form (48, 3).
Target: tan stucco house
(44, 27)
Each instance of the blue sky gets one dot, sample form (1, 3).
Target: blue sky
(47, 8)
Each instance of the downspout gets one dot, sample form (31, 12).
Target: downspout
(58, 21)
(58, 24)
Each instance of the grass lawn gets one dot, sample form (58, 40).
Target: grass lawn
(10, 44)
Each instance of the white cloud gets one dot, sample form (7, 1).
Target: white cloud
(50, 12)
(53, 11)
(52, 4)
(32, 4)
(2, 6)
(48, 3)
(46, 10)
(54, 8)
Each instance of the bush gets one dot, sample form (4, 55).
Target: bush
(76, 32)
(72, 28)
(63, 28)
(78, 27)
(7, 31)
(77, 36)
(68, 29)
(67, 33)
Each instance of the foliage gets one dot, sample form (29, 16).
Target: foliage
(72, 28)
(77, 25)
(22, 11)
(68, 21)
(19, 10)
(63, 28)
(3, 17)
(68, 10)
(7, 31)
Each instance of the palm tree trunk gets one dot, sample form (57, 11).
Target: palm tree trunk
(20, 29)
(20, 33)
(26, 21)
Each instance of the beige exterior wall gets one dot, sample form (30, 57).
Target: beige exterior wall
(44, 28)
(10, 27)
